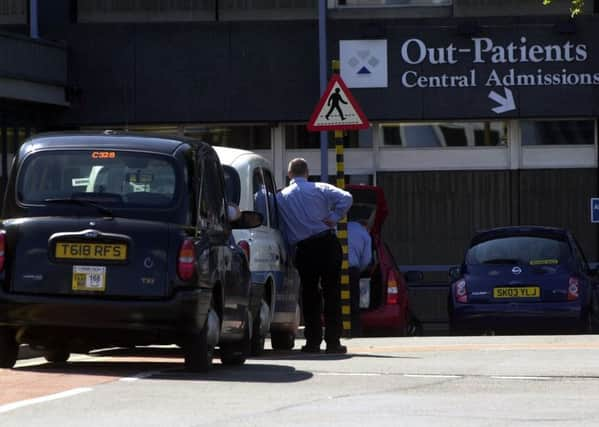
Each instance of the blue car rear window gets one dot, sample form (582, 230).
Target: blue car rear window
(530, 250)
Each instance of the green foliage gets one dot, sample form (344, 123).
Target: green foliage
(575, 9)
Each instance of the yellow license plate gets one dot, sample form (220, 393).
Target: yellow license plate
(520, 292)
(91, 251)
(89, 278)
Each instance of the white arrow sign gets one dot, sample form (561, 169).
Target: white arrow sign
(506, 103)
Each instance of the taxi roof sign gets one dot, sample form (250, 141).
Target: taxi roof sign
(337, 109)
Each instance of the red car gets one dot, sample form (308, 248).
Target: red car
(384, 291)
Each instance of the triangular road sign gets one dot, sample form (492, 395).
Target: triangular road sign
(337, 109)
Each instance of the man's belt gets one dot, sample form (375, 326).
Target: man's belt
(325, 233)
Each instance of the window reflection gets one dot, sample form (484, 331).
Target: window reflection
(558, 132)
(445, 134)
(298, 137)
(251, 137)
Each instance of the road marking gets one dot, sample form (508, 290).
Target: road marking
(349, 374)
(141, 376)
(501, 377)
(486, 346)
(28, 402)
(432, 376)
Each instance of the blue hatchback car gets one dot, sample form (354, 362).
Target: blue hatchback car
(522, 279)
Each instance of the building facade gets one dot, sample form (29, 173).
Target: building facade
(482, 112)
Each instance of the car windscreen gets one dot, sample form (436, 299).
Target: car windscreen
(120, 178)
(524, 250)
(232, 184)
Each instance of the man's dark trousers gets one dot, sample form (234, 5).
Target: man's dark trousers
(318, 261)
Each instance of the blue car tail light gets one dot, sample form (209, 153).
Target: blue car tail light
(573, 288)
(461, 293)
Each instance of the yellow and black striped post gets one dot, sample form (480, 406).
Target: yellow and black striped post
(342, 235)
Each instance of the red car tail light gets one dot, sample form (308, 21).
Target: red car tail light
(573, 288)
(461, 293)
(186, 261)
(245, 247)
(2, 249)
(392, 288)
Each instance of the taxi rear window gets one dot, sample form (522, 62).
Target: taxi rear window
(125, 178)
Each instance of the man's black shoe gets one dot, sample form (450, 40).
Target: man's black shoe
(337, 349)
(310, 349)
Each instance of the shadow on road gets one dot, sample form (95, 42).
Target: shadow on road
(298, 355)
(164, 364)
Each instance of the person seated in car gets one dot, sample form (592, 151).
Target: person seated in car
(359, 258)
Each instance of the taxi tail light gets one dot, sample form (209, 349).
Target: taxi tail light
(245, 247)
(573, 288)
(2, 249)
(186, 261)
(461, 293)
(392, 288)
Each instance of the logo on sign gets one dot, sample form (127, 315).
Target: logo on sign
(363, 63)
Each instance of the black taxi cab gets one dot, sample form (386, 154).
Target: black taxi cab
(110, 239)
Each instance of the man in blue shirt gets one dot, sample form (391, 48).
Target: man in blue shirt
(359, 258)
(310, 211)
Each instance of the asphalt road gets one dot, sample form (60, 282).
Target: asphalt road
(419, 381)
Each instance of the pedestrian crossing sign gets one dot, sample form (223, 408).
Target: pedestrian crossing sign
(337, 109)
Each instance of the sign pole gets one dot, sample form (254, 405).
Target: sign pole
(322, 59)
(342, 236)
(342, 230)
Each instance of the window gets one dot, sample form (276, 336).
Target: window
(232, 185)
(271, 194)
(445, 134)
(144, 10)
(558, 132)
(260, 195)
(13, 12)
(394, 3)
(297, 136)
(530, 250)
(123, 179)
(251, 137)
(212, 206)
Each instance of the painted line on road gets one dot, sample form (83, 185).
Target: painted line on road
(15, 405)
(143, 375)
(432, 376)
(525, 378)
(349, 374)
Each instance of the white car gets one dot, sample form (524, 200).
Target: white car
(250, 184)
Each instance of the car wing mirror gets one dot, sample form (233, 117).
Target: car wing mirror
(413, 276)
(248, 219)
(455, 273)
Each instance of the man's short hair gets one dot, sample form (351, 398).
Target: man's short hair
(297, 167)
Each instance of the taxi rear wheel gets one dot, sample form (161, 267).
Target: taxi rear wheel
(282, 340)
(9, 349)
(236, 353)
(56, 355)
(198, 352)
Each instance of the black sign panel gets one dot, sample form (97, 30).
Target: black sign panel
(498, 69)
